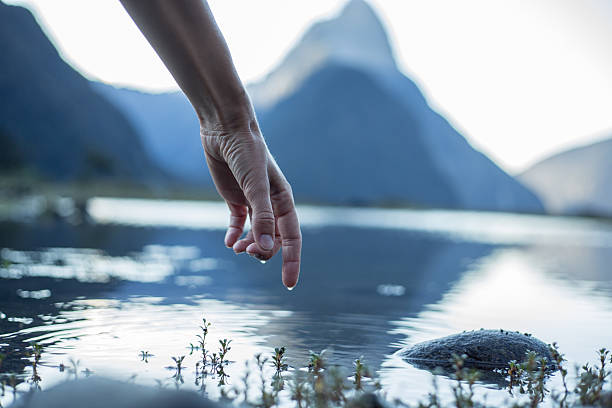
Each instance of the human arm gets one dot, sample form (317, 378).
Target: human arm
(185, 36)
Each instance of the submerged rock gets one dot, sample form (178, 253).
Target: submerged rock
(485, 349)
(105, 393)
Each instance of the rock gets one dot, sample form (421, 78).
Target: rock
(104, 393)
(606, 399)
(485, 349)
(368, 400)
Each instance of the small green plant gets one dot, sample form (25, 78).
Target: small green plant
(433, 399)
(214, 361)
(592, 379)
(299, 389)
(179, 363)
(74, 367)
(224, 349)
(464, 397)
(13, 382)
(324, 385)
(202, 338)
(361, 372)
(145, 355)
(267, 398)
(278, 360)
(37, 354)
(317, 361)
(558, 359)
(178, 370)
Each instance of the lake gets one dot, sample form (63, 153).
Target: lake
(141, 275)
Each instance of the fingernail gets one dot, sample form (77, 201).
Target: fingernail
(291, 288)
(266, 242)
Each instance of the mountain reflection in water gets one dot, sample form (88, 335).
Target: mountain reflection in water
(372, 282)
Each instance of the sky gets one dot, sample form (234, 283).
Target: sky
(519, 79)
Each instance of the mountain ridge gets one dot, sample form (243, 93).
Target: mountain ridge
(483, 184)
(469, 179)
(354, 37)
(575, 181)
(52, 119)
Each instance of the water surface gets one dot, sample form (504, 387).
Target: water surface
(142, 274)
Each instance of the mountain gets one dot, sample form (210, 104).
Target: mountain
(169, 127)
(338, 139)
(357, 39)
(346, 126)
(575, 181)
(52, 121)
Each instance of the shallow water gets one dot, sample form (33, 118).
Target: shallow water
(144, 273)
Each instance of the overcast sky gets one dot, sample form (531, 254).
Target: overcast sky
(520, 79)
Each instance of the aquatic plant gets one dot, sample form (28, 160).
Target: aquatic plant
(37, 354)
(202, 338)
(145, 355)
(179, 363)
(361, 372)
(320, 384)
(178, 368)
(592, 379)
(278, 360)
(224, 349)
(74, 367)
(464, 396)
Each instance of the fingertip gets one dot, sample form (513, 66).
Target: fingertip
(291, 274)
(239, 247)
(251, 249)
(228, 239)
(255, 251)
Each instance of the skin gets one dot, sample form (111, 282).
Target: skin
(186, 37)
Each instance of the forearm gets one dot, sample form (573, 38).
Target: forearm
(184, 34)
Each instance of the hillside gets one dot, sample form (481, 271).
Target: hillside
(575, 181)
(169, 127)
(51, 120)
(346, 126)
(357, 39)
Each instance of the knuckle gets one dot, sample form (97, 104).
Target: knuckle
(263, 216)
(283, 201)
(292, 241)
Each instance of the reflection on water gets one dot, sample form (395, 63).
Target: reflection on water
(145, 273)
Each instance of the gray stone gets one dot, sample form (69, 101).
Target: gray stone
(485, 349)
(104, 393)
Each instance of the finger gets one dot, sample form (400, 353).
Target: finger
(241, 245)
(257, 193)
(256, 252)
(291, 241)
(238, 215)
(291, 237)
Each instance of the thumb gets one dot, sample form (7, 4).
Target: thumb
(257, 193)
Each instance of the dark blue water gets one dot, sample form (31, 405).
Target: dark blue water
(143, 274)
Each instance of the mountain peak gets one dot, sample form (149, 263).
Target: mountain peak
(358, 11)
(355, 37)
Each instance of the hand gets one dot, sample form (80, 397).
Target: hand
(251, 183)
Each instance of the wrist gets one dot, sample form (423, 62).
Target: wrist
(228, 116)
